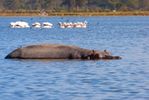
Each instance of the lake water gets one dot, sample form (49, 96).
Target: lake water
(125, 79)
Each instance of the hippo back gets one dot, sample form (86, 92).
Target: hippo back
(52, 51)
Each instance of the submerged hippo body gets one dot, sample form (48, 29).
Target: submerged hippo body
(54, 51)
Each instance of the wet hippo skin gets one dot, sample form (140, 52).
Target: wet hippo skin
(57, 51)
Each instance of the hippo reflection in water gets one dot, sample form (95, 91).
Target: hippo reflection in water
(55, 51)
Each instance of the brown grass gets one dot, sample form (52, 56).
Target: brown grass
(74, 13)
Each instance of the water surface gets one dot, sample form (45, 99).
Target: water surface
(125, 79)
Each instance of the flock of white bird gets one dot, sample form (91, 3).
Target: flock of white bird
(73, 25)
(22, 24)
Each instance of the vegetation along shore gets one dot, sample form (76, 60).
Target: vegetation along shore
(73, 13)
(74, 7)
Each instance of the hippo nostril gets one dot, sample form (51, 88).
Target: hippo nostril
(112, 57)
(117, 57)
(108, 57)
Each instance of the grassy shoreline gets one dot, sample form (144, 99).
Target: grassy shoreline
(80, 13)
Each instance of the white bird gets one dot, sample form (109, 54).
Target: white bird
(19, 24)
(47, 25)
(36, 25)
(73, 25)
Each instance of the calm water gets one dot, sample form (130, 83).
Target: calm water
(126, 79)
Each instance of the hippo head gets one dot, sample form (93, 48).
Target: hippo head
(102, 55)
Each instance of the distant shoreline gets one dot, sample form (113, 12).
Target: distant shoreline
(66, 13)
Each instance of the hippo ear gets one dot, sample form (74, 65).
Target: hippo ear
(105, 50)
(93, 51)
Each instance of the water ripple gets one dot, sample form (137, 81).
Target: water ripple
(125, 79)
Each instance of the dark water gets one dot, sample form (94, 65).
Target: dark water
(126, 79)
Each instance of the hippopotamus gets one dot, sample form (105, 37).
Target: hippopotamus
(57, 51)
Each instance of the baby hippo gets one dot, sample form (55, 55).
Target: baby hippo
(56, 51)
